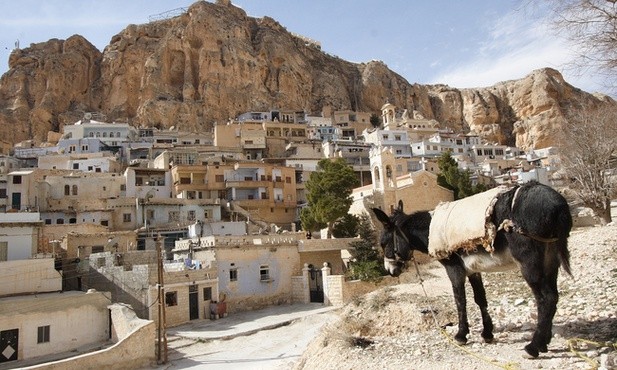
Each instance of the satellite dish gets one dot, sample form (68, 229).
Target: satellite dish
(88, 116)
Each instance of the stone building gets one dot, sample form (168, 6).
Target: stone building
(393, 187)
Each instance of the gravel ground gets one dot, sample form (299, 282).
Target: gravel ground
(397, 327)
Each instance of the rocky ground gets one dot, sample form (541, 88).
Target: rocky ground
(395, 328)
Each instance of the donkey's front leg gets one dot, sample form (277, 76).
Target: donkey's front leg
(456, 273)
(479, 296)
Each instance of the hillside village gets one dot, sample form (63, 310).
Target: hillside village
(109, 221)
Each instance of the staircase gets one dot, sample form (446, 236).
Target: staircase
(264, 227)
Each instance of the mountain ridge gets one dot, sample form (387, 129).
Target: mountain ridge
(214, 62)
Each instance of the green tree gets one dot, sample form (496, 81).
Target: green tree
(329, 194)
(366, 261)
(375, 121)
(455, 179)
(346, 227)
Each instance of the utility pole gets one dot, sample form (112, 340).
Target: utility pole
(161, 348)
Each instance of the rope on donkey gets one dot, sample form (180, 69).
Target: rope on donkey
(505, 366)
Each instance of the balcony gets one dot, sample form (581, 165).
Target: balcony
(247, 184)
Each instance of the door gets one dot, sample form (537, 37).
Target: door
(16, 201)
(316, 285)
(9, 340)
(193, 302)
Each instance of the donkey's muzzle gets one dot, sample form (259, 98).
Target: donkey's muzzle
(394, 266)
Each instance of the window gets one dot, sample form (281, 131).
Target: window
(17, 179)
(74, 189)
(72, 220)
(67, 190)
(84, 148)
(171, 299)
(59, 221)
(104, 222)
(48, 221)
(233, 273)
(208, 294)
(2, 193)
(97, 249)
(75, 166)
(264, 273)
(126, 217)
(43, 334)
(174, 216)
(122, 187)
(191, 216)
(219, 178)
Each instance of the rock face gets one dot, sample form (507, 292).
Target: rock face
(214, 62)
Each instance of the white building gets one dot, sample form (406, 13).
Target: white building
(109, 133)
(398, 140)
(49, 321)
(94, 162)
(19, 235)
(147, 182)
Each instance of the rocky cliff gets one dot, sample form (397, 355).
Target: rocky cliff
(214, 62)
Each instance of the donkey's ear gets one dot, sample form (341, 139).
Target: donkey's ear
(382, 217)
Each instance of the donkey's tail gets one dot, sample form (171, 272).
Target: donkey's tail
(564, 256)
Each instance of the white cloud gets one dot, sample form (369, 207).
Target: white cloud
(514, 47)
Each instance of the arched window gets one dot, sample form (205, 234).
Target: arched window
(388, 172)
(104, 134)
(98, 134)
(376, 173)
(117, 133)
(111, 134)
(74, 189)
(91, 134)
(67, 190)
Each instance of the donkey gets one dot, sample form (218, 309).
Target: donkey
(537, 243)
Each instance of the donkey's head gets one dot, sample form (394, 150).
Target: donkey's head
(395, 244)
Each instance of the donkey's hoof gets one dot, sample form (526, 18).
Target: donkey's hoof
(489, 340)
(460, 339)
(543, 349)
(531, 351)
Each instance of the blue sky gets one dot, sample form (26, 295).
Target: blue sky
(472, 43)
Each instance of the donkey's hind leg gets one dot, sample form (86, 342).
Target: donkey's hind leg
(479, 296)
(539, 266)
